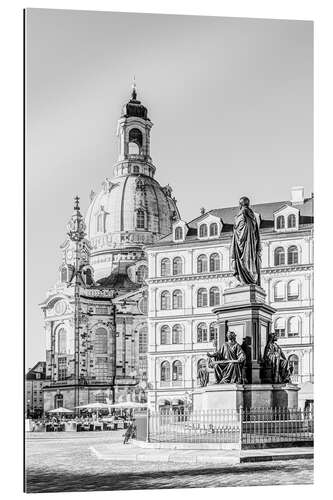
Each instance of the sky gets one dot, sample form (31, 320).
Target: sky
(231, 100)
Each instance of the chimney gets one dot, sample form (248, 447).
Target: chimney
(297, 195)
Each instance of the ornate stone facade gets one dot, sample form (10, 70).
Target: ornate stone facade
(96, 314)
(189, 270)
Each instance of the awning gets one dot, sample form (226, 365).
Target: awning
(163, 402)
(177, 402)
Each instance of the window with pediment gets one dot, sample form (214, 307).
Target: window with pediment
(291, 221)
(203, 231)
(213, 229)
(280, 222)
(178, 233)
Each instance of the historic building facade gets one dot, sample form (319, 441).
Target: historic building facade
(95, 316)
(188, 272)
(34, 384)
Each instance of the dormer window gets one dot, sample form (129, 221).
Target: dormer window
(280, 223)
(203, 231)
(291, 220)
(213, 229)
(179, 230)
(286, 218)
(178, 233)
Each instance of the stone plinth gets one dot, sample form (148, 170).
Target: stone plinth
(232, 396)
(245, 312)
(218, 397)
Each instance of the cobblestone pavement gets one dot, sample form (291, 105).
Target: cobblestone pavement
(64, 462)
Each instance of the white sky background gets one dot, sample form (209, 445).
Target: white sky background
(231, 100)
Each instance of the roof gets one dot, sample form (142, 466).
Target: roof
(38, 368)
(119, 280)
(265, 210)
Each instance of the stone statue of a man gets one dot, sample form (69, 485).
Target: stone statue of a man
(228, 361)
(275, 359)
(245, 247)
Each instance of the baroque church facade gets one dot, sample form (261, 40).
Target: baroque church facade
(95, 316)
(130, 316)
(188, 272)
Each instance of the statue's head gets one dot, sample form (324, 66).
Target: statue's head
(272, 337)
(231, 336)
(244, 202)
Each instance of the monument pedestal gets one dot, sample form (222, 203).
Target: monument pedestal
(233, 396)
(245, 312)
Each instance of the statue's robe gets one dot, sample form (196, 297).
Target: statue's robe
(203, 376)
(276, 360)
(246, 248)
(229, 373)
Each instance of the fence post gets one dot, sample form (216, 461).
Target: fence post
(148, 415)
(240, 426)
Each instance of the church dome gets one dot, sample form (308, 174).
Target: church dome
(130, 210)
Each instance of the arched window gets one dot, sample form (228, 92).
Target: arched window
(177, 266)
(177, 299)
(143, 340)
(177, 370)
(141, 273)
(134, 141)
(293, 326)
(165, 371)
(62, 341)
(293, 360)
(280, 327)
(177, 334)
(165, 335)
(178, 233)
(202, 299)
(280, 222)
(203, 231)
(214, 262)
(58, 401)
(279, 257)
(214, 296)
(212, 332)
(293, 290)
(140, 219)
(202, 333)
(165, 267)
(213, 229)
(292, 220)
(279, 291)
(292, 255)
(101, 341)
(165, 300)
(64, 274)
(136, 169)
(202, 264)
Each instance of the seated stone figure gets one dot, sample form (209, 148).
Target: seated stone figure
(275, 359)
(228, 361)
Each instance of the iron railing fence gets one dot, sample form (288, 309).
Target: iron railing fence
(206, 426)
(276, 426)
(249, 427)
